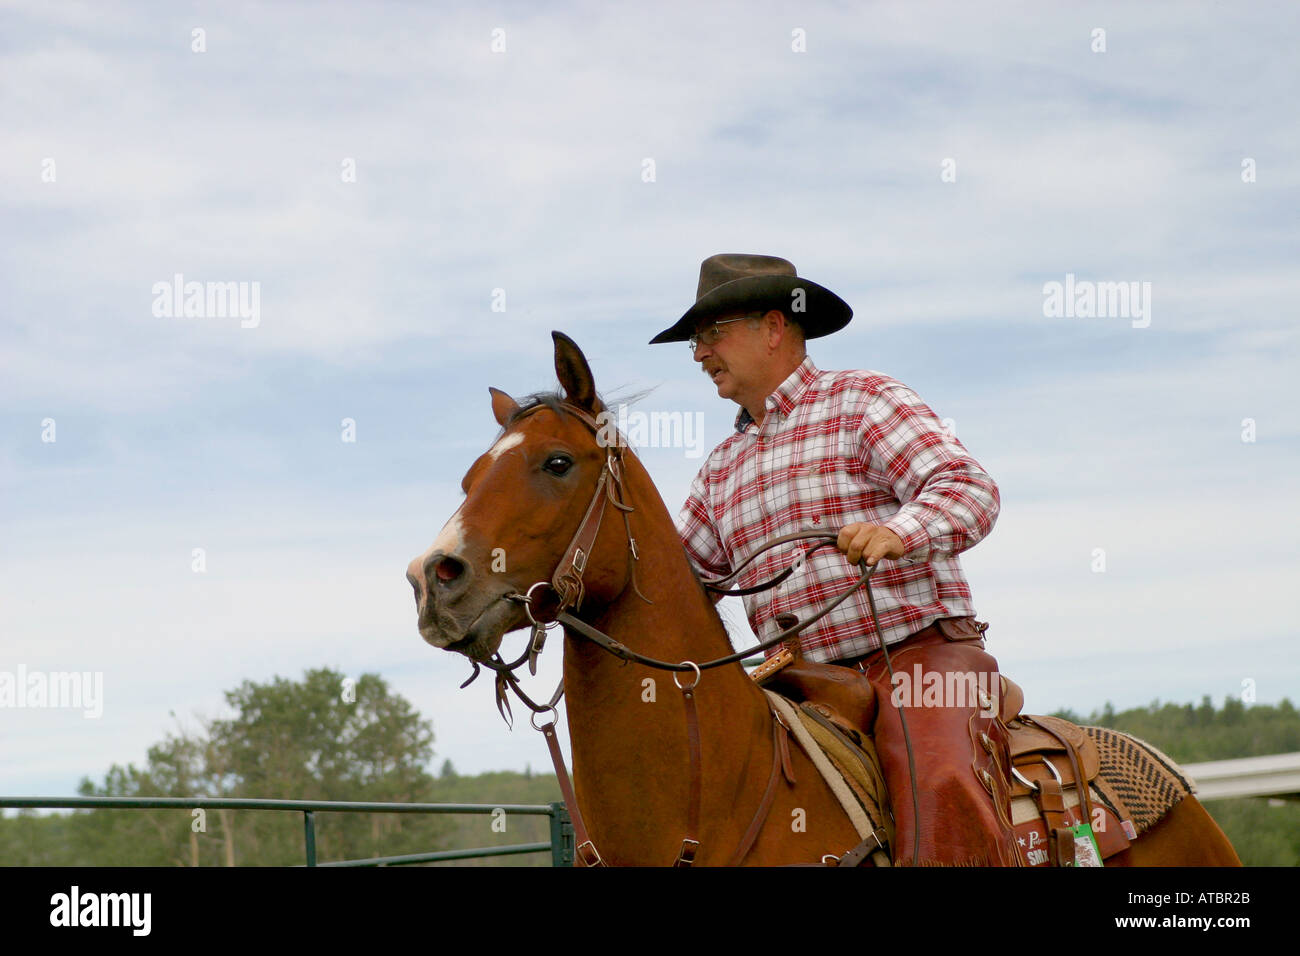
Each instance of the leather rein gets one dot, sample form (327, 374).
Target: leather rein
(566, 586)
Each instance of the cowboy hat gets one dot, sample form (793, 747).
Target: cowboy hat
(734, 282)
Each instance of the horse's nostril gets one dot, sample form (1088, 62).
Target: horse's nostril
(448, 570)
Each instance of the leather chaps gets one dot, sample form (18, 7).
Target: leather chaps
(949, 688)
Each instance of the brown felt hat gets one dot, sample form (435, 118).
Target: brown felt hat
(734, 282)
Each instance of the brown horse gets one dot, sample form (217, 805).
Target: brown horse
(632, 753)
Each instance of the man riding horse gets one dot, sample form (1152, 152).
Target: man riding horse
(859, 452)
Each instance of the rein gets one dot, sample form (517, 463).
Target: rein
(626, 653)
(566, 583)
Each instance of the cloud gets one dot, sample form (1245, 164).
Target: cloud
(523, 172)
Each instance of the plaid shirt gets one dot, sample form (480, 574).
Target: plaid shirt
(835, 448)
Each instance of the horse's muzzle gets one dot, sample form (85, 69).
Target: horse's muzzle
(455, 609)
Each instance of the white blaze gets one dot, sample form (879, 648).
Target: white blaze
(504, 445)
(449, 538)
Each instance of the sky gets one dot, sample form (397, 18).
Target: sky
(418, 194)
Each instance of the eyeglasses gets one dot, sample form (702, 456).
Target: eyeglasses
(714, 333)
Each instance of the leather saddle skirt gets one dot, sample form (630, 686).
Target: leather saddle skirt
(1050, 758)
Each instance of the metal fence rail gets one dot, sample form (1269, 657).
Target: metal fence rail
(560, 846)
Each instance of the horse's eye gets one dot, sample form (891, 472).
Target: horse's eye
(558, 464)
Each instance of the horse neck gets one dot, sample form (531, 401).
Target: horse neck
(629, 735)
(679, 624)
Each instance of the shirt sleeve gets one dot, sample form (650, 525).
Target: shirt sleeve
(949, 503)
(699, 534)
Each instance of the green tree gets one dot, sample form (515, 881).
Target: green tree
(321, 738)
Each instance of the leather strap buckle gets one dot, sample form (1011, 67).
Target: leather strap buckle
(589, 855)
(686, 855)
(859, 853)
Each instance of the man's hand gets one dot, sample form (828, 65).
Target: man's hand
(871, 541)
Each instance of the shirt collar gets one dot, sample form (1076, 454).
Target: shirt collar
(787, 394)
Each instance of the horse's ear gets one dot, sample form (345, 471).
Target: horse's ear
(503, 406)
(575, 374)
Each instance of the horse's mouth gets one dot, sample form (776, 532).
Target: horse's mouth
(472, 645)
(460, 645)
(481, 638)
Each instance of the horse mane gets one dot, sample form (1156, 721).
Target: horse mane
(556, 402)
(552, 400)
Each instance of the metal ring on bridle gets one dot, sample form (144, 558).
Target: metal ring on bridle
(527, 602)
(694, 667)
(532, 718)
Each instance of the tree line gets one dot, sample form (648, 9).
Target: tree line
(328, 738)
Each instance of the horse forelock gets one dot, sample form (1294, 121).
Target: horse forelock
(552, 400)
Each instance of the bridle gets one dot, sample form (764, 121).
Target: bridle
(566, 585)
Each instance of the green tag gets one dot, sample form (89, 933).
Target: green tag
(1086, 851)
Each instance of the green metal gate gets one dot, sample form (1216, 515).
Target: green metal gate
(560, 845)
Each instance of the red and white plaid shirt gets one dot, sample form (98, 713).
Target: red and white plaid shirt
(835, 448)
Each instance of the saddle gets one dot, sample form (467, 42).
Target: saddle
(841, 695)
(1058, 822)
